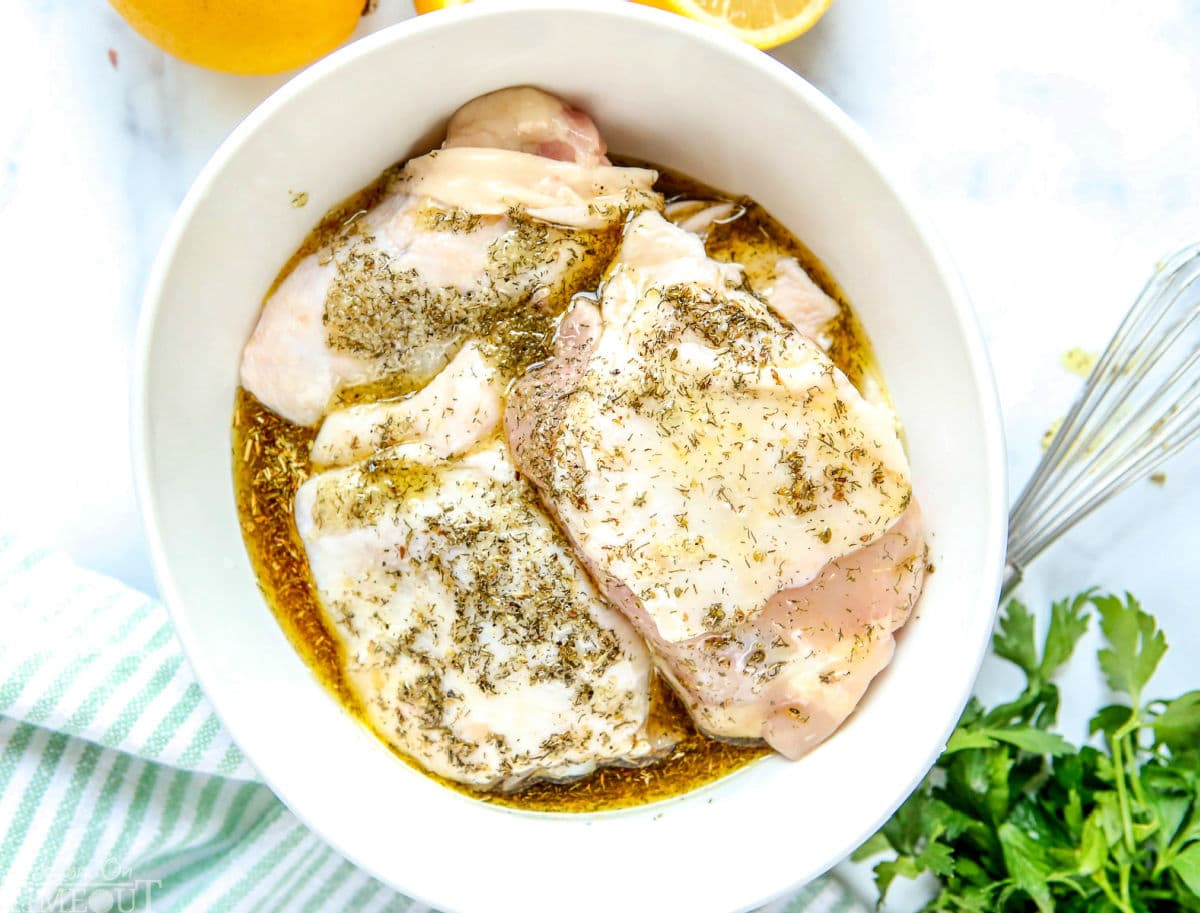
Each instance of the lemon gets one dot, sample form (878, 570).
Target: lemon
(762, 23)
(244, 36)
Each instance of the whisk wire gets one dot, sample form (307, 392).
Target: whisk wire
(1139, 407)
(1037, 540)
(1144, 310)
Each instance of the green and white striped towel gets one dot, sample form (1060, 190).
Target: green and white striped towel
(120, 789)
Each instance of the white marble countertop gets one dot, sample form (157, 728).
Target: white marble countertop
(1054, 145)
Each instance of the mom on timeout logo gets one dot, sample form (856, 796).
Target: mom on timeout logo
(113, 889)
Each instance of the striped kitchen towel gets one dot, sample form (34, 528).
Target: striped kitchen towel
(119, 788)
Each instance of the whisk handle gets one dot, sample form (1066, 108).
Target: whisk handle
(1013, 573)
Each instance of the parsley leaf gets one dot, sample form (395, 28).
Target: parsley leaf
(1135, 644)
(1028, 864)
(1015, 639)
(1187, 867)
(1032, 740)
(1068, 623)
(1178, 726)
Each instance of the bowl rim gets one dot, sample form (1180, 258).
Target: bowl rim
(975, 351)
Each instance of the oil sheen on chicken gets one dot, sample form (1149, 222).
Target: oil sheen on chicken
(727, 487)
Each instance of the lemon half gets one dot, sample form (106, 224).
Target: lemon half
(762, 23)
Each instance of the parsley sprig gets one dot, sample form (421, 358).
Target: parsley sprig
(1014, 817)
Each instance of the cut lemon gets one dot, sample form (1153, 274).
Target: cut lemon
(762, 23)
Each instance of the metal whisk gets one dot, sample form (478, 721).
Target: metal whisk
(1139, 407)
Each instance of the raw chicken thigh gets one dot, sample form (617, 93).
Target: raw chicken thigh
(525, 119)
(464, 238)
(727, 487)
(699, 216)
(799, 300)
(459, 407)
(473, 637)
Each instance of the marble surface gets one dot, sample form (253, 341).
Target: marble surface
(1054, 146)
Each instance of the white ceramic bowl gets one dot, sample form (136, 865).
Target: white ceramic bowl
(661, 89)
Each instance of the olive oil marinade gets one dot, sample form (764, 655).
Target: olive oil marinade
(271, 460)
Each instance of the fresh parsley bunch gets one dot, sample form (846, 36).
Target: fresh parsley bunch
(1014, 817)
